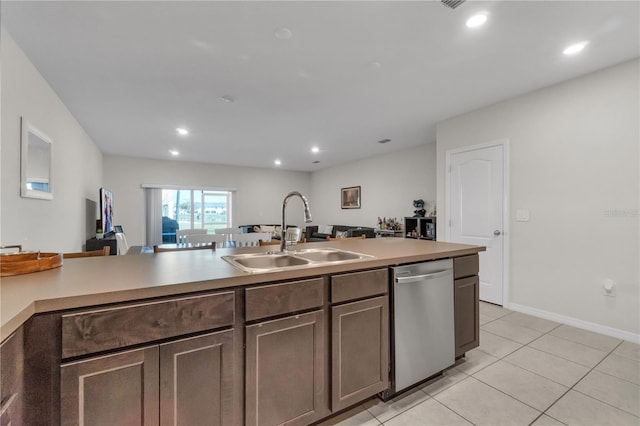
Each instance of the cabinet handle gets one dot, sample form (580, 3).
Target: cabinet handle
(414, 278)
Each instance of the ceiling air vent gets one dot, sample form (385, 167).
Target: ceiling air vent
(452, 4)
(384, 141)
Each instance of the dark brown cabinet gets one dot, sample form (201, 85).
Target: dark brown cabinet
(187, 381)
(184, 382)
(360, 351)
(115, 389)
(359, 336)
(11, 372)
(285, 370)
(466, 303)
(196, 380)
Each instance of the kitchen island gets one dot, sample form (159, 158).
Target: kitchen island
(262, 348)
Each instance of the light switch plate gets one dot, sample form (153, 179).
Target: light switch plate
(522, 215)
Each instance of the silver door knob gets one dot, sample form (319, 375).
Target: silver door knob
(496, 232)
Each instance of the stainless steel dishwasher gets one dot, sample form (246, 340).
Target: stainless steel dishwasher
(423, 329)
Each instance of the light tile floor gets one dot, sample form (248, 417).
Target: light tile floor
(527, 371)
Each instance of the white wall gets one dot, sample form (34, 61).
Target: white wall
(574, 165)
(389, 185)
(59, 224)
(258, 197)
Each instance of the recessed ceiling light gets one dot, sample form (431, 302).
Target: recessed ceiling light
(283, 33)
(174, 152)
(227, 98)
(575, 48)
(315, 150)
(277, 162)
(477, 20)
(376, 65)
(182, 131)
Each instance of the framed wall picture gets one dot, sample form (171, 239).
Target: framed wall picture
(350, 197)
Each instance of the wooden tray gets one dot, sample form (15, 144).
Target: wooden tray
(27, 262)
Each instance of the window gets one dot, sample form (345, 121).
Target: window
(197, 209)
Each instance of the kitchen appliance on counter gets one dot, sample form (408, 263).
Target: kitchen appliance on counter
(423, 323)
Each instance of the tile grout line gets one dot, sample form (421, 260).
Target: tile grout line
(557, 324)
(502, 358)
(544, 412)
(562, 357)
(451, 409)
(403, 411)
(510, 396)
(548, 353)
(602, 372)
(454, 412)
(506, 338)
(482, 368)
(581, 379)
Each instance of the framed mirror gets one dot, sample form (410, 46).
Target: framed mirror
(36, 174)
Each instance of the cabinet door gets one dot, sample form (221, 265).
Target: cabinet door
(360, 351)
(285, 378)
(196, 380)
(11, 377)
(119, 389)
(467, 315)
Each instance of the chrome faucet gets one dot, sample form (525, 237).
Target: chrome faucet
(307, 217)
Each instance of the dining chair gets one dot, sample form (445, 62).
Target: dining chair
(181, 234)
(293, 234)
(123, 247)
(264, 236)
(246, 240)
(104, 251)
(228, 232)
(198, 239)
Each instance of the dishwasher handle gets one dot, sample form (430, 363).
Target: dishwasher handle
(414, 278)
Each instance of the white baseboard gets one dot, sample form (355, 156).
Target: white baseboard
(586, 325)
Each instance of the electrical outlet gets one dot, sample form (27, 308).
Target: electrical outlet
(609, 288)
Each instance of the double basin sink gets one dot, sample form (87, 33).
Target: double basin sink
(305, 258)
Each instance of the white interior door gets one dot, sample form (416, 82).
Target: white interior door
(476, 211)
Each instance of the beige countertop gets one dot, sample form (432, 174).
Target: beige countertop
(93, 281)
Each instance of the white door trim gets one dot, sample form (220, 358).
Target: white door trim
(506, 234)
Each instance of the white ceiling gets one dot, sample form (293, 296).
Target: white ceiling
(351, 74)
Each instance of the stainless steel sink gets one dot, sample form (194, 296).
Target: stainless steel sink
(269, 262)
(328, 255)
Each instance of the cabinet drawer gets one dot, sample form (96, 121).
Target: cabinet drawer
(465, 266)
(271, 300)
(100, 330)
(359, 284)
